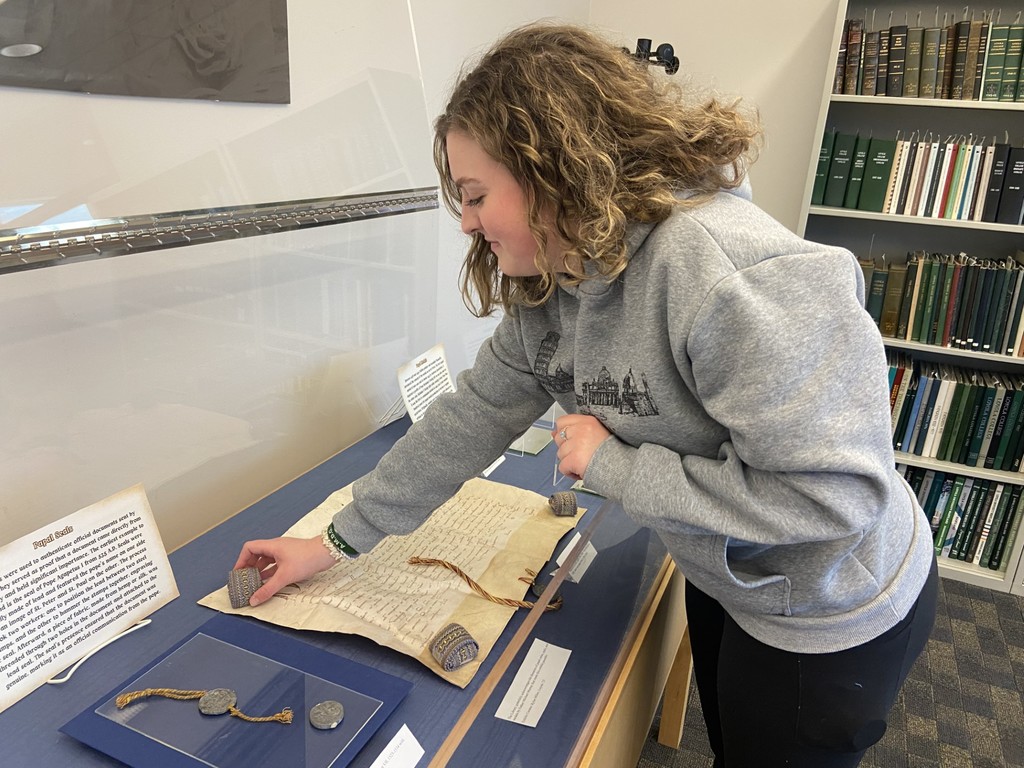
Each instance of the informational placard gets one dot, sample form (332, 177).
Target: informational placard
(528, 695)
(423, 379)
(70, 587)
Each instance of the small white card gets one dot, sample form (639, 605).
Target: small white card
(531, 690)
(402, 752)
(582, 562)
(422, 380)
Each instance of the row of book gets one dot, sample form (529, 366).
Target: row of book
(947, 300)
(973, 520)
(957, 179)
(960, 415)
(967, 60)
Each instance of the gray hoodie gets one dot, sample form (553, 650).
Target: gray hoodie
(746, 390)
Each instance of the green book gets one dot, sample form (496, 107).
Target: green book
(929, 63)
(997, 521)
(931, 297)
(978, 317)
(981, 422)
(828, 140)
(955, 420)
(997, 311)
(877, 170)
(947, 513)
(856, 180)
(1013, 418)
(956, 406)
(979, 492)
(1012, 62)
(984, 525)
(928, 264)
(992, 75)
(945, 284)
(876, 292)
(960, 442)
(1011, 461)
(912, 62)
(1007, 531)
(951, 522)
(839, 169)
(1002, 423)
(909, 284)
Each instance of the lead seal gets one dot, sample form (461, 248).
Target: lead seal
(218, 701)
(326, 715)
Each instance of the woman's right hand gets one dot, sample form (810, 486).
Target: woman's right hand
(283, 561)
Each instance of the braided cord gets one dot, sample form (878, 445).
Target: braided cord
(122, 701)
(284, 716)
(125, 699)
(554, 605)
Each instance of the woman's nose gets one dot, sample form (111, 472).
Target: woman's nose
(470, 222)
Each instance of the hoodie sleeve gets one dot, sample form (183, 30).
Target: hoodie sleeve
(459, 436)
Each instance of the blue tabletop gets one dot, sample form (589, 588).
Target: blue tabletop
(593, 622)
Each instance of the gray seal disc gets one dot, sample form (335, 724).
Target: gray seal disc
(218, 701)
(326, 715)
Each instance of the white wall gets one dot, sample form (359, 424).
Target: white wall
(448, 33)
(776, 56)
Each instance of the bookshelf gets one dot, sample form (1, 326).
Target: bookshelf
(873, 234)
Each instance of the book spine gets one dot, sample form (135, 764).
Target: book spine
(897, 60)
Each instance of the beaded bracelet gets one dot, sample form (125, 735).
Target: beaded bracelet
(337, 546)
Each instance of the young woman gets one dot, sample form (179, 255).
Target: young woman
(722, 379)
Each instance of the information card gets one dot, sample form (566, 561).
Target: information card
(423, 379)
(70, 587)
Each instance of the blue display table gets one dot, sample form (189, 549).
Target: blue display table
(623, 623)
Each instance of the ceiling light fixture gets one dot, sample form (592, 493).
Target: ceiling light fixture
(20, 50)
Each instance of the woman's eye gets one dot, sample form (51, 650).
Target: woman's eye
(474, 202)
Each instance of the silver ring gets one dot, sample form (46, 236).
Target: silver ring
(562, 435)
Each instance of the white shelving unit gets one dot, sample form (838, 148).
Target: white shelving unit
(863, 232)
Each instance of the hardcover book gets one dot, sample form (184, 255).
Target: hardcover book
(912, 62)
(930, 63)
(963, 32)
(828, 140)
(992, 76)
(839, 169)
(1012, 62)
(877, 170)
(1011, 198)
(897, 59)
(856, 180)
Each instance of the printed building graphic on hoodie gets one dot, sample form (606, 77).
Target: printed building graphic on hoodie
(600, 392)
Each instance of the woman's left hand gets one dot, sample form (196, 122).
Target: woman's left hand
(577, 437)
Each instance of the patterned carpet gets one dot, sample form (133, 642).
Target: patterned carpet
(961, 707)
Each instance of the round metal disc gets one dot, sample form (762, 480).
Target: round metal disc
(326, 715)
(218, 701)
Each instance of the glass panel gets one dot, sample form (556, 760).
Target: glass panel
(263, 687)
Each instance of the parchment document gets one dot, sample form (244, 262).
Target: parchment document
(493, 532)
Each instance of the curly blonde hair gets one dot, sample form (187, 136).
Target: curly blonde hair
(595, 140)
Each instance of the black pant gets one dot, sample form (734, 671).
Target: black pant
(765, 707)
